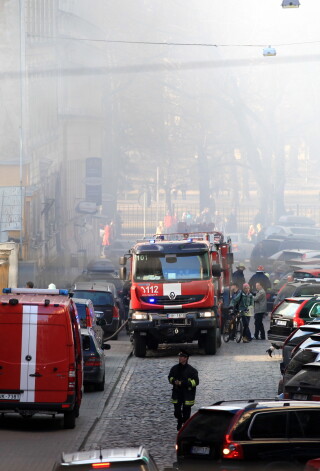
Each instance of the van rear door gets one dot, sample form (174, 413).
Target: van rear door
(10, 352)
(53, 357)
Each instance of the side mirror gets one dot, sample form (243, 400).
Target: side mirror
(216, 270)
(106, 346)
(122, 260)
(123, 273)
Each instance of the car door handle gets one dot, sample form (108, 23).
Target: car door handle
(35, 375)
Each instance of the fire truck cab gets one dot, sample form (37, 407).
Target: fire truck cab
(177, 286)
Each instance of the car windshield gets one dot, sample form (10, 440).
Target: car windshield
(287, 308)
(207, 426)
(168, 267)
(98, 298)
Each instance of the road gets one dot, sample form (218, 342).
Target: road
(135, 408)
(140, 412)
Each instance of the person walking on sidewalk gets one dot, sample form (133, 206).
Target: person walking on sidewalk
(260, 309)
(184, 379)
(247, 309)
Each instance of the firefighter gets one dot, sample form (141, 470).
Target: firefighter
(184, 379)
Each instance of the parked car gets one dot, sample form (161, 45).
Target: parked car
(105, 302)
(256, 434)
(290, 314)
(121, 459)
(262, 251)
(296, 289)
(88, 318)
(296, 338)
(303, 356)
(305, 385)
(93, 360)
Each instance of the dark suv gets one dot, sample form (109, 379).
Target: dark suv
(290, 314)
(297, 288)
(106, 305)
(255, 434)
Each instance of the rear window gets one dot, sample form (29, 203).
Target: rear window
(98, 298)
(300, 359)
(287, 308)
(207, 426)
(308, 290)
(300, 335)
(302, 274)
(304, 424)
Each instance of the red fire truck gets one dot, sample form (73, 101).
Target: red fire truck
(178, 285)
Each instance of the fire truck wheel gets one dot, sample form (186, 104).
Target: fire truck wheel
(210, 343)
(139, 345)
(69, 419)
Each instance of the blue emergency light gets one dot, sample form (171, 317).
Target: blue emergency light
(151, 300)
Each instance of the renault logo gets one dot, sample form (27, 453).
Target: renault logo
(172, 295)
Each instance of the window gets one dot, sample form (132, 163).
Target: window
(287, 309)
(315, 311)
(268, 425)
(207, 426)
(98, 298)
(300, 359)
(304, 424)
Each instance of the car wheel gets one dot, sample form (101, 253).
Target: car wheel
(210, 343)
(139, 345)
(69, 420)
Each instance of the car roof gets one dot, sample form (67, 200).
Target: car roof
(102, 264)
(110, 454)
(258, 404)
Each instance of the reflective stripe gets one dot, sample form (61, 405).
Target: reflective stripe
(192, 382)
(171, 379)
(174, 401)
(189, 403)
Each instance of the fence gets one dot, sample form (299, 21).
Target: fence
(138, 221)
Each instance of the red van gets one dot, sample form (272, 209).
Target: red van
(41, 366)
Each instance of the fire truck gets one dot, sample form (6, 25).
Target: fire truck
(179, 283)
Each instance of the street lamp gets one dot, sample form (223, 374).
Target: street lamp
(290, 4)
(269, 51)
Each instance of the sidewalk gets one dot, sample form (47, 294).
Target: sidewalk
(116, 360)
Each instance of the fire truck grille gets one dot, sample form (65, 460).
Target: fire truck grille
(165, 300)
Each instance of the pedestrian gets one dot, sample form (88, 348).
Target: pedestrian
(260, 309)
(29, 284)
(238, 275)
(260, 277)
(160, 228)
(247, 310)
(184, 379)
(236, 295)
(251, 233)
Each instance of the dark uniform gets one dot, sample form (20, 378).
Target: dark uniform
(184, 379)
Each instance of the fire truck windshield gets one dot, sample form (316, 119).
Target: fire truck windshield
(168, 267)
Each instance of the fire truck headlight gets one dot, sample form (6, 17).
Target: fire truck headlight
(139, 316)
(206, 314)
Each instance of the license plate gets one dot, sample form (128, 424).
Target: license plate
(9, 397)
(200, 450)
(281, 322)
(176, 316)
(300, 397)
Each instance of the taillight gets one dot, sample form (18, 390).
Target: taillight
(315, 398)
(72, 377)
(313, 465)
(93, 361)
(231, 449)
(298, 322)
(115, 313)
(286, 396)
(100, 465)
